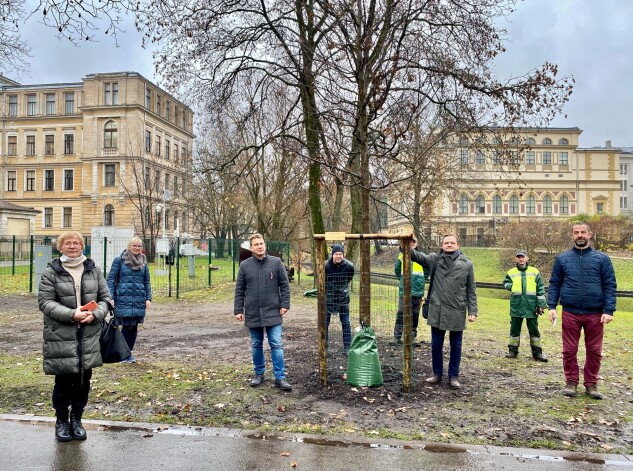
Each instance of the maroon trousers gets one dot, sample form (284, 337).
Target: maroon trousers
(594, 331)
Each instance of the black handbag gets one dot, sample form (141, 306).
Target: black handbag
(114, 348)
(427, 300)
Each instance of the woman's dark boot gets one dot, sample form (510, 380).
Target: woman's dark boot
(62, 430)
(77, 430)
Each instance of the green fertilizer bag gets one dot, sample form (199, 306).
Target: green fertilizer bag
(363, 364)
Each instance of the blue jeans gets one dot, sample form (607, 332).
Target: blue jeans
(273, 333)
(437, 346)
(343, 310)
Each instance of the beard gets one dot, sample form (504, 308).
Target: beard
(581, 243)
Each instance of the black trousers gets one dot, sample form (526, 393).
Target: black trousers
(71, 390)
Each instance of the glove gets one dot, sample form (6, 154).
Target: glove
(539, 311)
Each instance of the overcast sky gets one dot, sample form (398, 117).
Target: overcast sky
(589, 39)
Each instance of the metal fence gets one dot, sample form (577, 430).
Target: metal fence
(176, 265)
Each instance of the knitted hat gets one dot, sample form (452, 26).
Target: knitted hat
(337, 248)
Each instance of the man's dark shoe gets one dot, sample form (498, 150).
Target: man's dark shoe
(570, 390)
(453, 383)
(512, 354)
(62, 431)
(433, 379)
(76, 429)
(257, 381)
(417, 344)
(541, 357)
(592, 391)
(283, 385)
(395, 342)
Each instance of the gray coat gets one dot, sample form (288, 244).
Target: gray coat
(70, 347)
(453, 290)
(261, 289)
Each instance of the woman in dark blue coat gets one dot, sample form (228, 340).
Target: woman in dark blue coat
(128, 281)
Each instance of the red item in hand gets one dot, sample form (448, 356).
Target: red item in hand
(91, 306)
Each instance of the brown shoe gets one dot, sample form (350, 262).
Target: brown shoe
(453, 383)
(592, 391)
(434, 379)
(570, 390)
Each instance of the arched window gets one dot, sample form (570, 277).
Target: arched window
(547, 140)
(496, 204)
(529, 141)
(563, 142)
(564, 205)
(530, 205)
(480, 204)
(547, 205)
(464, 142)
(110, 135)
(463, 204)
(514, 204)
(480, 157)
(108, 215)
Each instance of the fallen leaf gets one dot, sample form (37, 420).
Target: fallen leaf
(293, 464)
(285, 453)
(281, 408)
(606, 447)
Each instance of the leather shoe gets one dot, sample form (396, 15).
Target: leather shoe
(570, 390)
(76, 429)
(257, 381)
(283, 385)
(433, 379)
(512, 354)
(62, 431)
(541, 357)
(453, 383)
(592, 391)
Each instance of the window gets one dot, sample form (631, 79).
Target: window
(563, 142)
(600, 208)
(109, 175)
(67, 218)
(185, 152)
(176, 115)
(529, 141)
(158, 102)
(13, 105)
(547, 158)
(111, 93)
(146, 177)
(480, 204)
(547, 205)
(148, 141)
(175, 186)
(176, 153)
(175, 219)
(530, 205)
(148, 99)
(564, 205)
(158, 145)
(69, 98)
(12, 145)
(497, 157)
(11, 179)
(69, 143)
(49, 144)
(49, 180)
(514, 204)
(48, 217)
(115, 93)
(623, 185)
(167, 109)
(167, 149)
(167, 213)
(30, 180)
(30, 145)
(624, 169)
(110, 135)
(108, 215)
(463, 156)
(530, 157)
(496, 204)
(157, 181)
(463, 204)
(69, 179)
(167, 181)
(50, 103)
(547, 141)
(563, 158)
(623, 202)
(31, 105)
(480, 157)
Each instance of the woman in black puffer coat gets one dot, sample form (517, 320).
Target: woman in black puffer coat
(71, 336)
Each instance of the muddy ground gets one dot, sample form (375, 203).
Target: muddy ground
(497, 405)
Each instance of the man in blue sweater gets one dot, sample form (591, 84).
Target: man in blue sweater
(583, 281)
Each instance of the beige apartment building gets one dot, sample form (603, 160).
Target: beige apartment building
(551, 177)
(99, 152)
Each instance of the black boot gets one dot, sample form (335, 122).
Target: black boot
(62, 430)
(77, 430)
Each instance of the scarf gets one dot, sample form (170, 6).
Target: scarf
(135, 262)
(74, 266)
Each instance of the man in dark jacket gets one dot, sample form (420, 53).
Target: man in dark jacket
(338, 274)
(583, 281)
(452, 299)
(262, 297)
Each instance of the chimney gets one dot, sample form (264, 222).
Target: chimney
(608, 143)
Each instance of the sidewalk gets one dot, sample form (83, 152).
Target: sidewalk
(28, 443)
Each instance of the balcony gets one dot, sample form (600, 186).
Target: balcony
(109, 151)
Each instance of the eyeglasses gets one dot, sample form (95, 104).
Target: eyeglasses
(70, 243)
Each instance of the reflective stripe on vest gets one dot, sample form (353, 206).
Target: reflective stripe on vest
(416, 268)
(530, 281)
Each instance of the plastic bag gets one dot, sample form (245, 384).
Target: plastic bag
(363, 363)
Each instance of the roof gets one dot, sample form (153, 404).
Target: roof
(15, 207)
